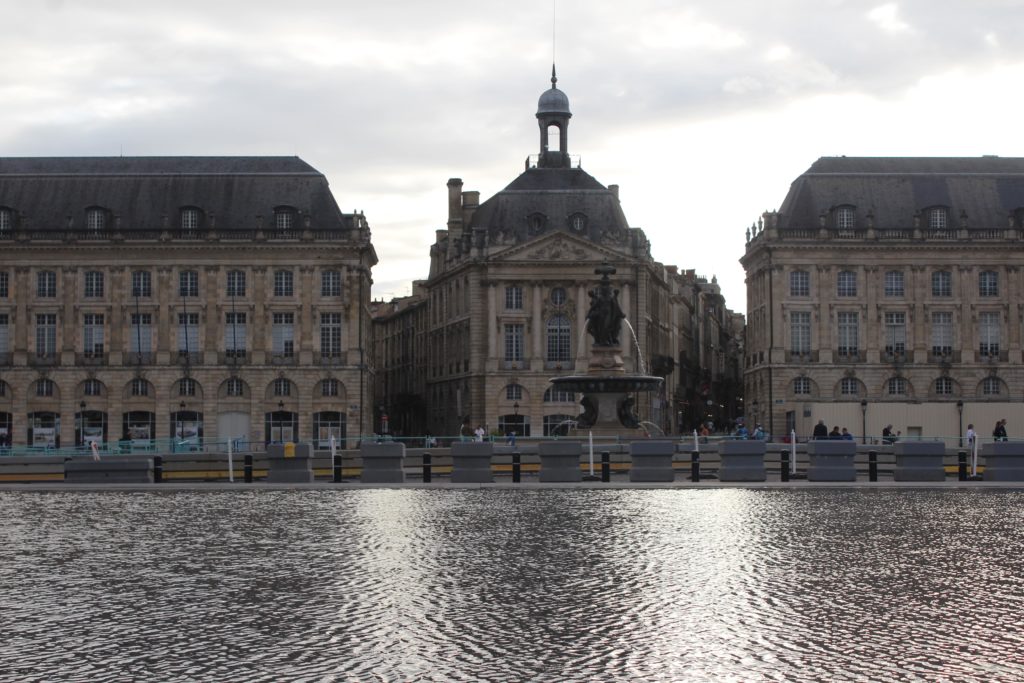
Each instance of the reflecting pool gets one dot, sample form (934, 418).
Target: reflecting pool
(513, 585)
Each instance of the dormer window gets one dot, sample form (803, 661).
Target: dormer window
(191, 218)
(938, 218)
(96, 219)
(845, 218)
(577, 222)
(6, 219)
(284, 218)
(536, 222)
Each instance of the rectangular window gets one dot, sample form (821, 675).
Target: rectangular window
(93, 284)
(283, 333)
(848, 334)
(942, 283)
(800, 332)
(330, 335)
(46, 284)
(188, 283)
(140, 337)
(897, 386)
(5, 284)
(846, 283)
(514, 298)
(92, 335)
(330, 283)
(988, 333)
(942, 333)
(46, 335)
(236, 283)
(894, 283)
(235, 334)
(944, 386)
(895, 334)
(513, 392)
(799, 283)
(802, 386)
(142, 283)
(5, 335)
(988, 283)
(849, 386)
(188, 333)
(283, 283)
(514, 342)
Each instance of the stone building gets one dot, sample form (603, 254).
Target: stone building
(145, 298)
(503, 308)
(889, 291)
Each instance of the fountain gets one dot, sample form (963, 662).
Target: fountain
(606, 387)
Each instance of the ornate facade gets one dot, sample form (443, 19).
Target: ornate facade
(151, 298)
(888, 291)
(503, 308)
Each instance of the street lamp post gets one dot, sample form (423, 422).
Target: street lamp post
(864, 420)
(960, 409)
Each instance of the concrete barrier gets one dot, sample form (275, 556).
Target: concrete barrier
(383, 463)
(919, 461)
(28, 468)
(831, 461)
(560, 461)
(742, 461)
(289, 463)
(471, 462)
(652, 461)
(111, 470)
(1004, 460)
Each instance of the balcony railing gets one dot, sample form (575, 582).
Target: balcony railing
(849, 356)
(802, 356)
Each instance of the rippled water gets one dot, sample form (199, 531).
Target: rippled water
(512, 585)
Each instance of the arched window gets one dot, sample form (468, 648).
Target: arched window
(897, 386)
(282, 387)
(139, 387)
(849, 386)
(991, 386)
(329, 387)
(559, 336)
(187, 386)
(513, 392)
(943, 386)
(802, 386)
(234, 387)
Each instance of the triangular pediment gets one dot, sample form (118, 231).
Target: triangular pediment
(558, 246)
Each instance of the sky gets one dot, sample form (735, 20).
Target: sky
(702, 112)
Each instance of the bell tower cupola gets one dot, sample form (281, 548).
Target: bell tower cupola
(553, 118)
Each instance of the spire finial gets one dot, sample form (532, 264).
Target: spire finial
(554, 79)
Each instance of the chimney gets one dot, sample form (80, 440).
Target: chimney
(614, 189)
(470, 203)
(455, 206)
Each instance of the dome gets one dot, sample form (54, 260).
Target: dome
(553, 101)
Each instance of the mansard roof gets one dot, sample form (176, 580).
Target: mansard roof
(893, 189)
(556, 194)
(47, 192)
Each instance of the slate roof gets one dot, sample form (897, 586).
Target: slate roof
(893, 189)
(46, 191)
(557, 194)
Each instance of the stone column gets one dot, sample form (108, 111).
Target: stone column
(214, 316)
(537, 362)
(582, 339)
(492, 321)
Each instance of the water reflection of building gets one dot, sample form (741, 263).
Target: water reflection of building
(886, 291)
(145, 297)
(503, 309)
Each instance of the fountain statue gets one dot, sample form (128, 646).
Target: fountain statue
(607, 388)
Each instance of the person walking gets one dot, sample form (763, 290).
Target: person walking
(820, 430)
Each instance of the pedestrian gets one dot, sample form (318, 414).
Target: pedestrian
(999, 433)
(759, 432)
(466, 431)
(847, 436)
(479, 432)
(741, 432)
(820, 430)
(834, 434)
(704, 433)
(887, 435)
(511, 438)
(971, 435)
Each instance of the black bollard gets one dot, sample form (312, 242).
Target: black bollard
(247, 469)
(961, 465)
(427, 461)
(872, 465)
(337, 468)
(606, 466)
(784, 465)
(516, 468)
(695, 466)
(158, 469)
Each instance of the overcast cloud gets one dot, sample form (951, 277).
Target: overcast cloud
(702, 111)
